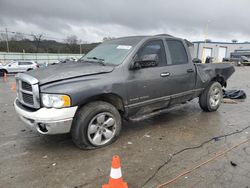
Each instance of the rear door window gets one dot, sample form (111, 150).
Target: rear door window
(177, 52)
(24, 63)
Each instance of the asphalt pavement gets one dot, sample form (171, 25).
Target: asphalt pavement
(153, 151)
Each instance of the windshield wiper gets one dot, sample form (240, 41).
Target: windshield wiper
(99, 60)
(95, 58)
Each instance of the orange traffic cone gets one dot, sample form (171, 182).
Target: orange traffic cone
(13, 86)
(115, 179)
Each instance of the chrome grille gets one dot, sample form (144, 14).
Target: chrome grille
(28, 90)
(28, 98)
(26, 86)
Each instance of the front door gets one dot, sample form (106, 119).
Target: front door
(12, 67)
(146, 86)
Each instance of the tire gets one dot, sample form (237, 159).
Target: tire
(211, 97)
(29, 69)
(3, 71)
(90, 121)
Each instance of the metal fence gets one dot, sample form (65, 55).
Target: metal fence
(38, 57)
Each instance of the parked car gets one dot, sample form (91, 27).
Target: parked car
(19, 66)
(245, 60)
(130, 78)
(64, 60)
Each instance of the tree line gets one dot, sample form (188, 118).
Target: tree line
(39, 44)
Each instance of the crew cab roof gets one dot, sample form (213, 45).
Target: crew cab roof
(133, 40)
(140, 37)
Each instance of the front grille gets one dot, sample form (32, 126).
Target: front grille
(26, 86)
(28, 98)
(28, 91)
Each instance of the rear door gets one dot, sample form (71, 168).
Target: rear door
(24, 66)
(182, 74)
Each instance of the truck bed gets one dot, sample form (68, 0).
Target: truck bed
(205, 72)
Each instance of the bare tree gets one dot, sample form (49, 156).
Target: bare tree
(37, 38)
(17, 37)
(72, 43)
(2, 37)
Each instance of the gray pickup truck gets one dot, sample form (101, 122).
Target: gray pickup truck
(130, 78)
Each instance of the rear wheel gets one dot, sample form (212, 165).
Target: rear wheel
(211, 97)
(95, 125)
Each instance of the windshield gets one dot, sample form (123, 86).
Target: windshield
(110, 53)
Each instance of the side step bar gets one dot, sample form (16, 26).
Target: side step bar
(154, 113)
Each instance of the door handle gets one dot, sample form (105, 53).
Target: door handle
(190, 70)
(165, 74)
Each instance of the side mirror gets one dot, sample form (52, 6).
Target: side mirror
(196, 60)
(149, 60)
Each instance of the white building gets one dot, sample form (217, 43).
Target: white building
(217, 50)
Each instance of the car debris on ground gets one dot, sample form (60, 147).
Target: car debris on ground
(234, 94)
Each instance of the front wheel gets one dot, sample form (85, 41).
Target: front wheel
(95, 125)
(211, 97)
(4, 72)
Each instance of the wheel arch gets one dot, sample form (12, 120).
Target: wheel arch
(111, 98)
(220, 79)
(5, 70)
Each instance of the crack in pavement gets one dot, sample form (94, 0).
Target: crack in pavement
(217, 138)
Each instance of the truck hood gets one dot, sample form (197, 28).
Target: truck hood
(68, 70)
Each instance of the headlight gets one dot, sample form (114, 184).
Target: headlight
(55, 101)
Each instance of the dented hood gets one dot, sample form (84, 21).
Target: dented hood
(68, 70)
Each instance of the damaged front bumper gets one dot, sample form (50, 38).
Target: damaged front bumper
(47, 120)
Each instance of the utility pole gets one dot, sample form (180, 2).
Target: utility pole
(7, 41)
(80, 48)
(80, 44)
(205, 41)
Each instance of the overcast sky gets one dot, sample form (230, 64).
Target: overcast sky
(91, 20)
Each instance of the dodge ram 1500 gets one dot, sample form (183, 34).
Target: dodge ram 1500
(125, 78)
